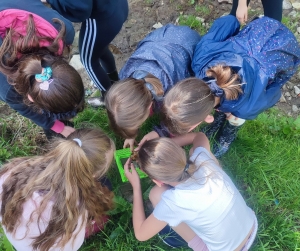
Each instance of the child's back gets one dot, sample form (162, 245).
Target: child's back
(210, 204)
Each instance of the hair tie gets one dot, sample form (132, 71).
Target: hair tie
(151, 89)
(215, 89)
(44, 78)
(187, 166)
(78, 141)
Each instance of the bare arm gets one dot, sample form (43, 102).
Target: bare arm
(144, 228)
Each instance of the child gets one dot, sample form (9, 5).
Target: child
(272, 9)
(101, 22)
(241, 74)
(48, 200)
(194, 196)
(160, 60)
(35, 80)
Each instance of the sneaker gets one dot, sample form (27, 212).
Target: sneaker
(227, 135)
(171, 238)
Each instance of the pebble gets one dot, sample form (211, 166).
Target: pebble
(297, 90)
(290, 85)
(296, 6)
(282, 99)
(287, 94)
(76, 63)
(286, 5)
(157, 25)
(289, 98)
(200, 19)
(293, 13)
(298, 30)
(295, 108)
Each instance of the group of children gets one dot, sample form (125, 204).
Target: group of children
(49, 202)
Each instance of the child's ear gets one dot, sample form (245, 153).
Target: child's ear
(158, 182)
(209, 119)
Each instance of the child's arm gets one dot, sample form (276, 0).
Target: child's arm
(144, 228)
(130, 143)
(242, 11)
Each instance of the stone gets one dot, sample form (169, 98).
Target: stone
(296, 5)
(293, 13)
(298, 30)
(289, 98)
(157, 25)
(286, 5)
(297, 90)
(287, 94)
(295, 108)
(200, 19)
(282, 99)
(289, 85)
(76, 63)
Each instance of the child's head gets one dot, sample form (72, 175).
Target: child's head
(163, 160)
(190, 101)
(65, 91)
(128, 104)
(68, 177)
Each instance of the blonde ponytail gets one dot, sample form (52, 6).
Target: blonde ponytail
(226, 80)
(67, 176)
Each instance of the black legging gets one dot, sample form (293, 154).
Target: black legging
(94, 38)
(272, 8)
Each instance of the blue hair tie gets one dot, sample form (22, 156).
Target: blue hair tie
(215, 89)
(45, 75)
(154, 95)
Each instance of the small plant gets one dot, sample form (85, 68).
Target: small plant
(193, 22)
(202, 10)
(290, 23)
(192, 2)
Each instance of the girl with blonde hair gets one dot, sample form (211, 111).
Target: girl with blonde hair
(161, 59)
(239, 73)
(193, 195)
(47, 201)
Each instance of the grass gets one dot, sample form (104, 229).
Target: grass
(193, 22)
(263, 162)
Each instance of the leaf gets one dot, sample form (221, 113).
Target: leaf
(116, 233)
(287, 130)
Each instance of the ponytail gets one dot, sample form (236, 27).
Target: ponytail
(226, 80)
(67, 176)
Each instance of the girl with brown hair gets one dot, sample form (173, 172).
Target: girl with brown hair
(46, 201)
(35, 79)
(161, 59)
(240, 74)
(193, 195)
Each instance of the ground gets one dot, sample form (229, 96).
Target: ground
(144, 14)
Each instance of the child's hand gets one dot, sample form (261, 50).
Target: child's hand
(149, 136)
(130, 143)
(132, 175)
(242, 12)
(67, 131)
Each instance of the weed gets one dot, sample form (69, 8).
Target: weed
(193, 22)
(291, 22)
(202, 10)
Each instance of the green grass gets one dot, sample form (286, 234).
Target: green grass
(263, 162)
(193, 22)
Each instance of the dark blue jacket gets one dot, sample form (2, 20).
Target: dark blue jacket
(80, 10)
(265, 54)
(165, 53)
(7, 91)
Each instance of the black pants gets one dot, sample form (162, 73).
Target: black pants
(94, 38)
(272, 8)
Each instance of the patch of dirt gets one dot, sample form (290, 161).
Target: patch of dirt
(145, 13)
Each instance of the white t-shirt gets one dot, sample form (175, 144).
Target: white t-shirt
(22, 239)
(210, 204)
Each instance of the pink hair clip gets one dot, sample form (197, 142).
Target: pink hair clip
(45, 84)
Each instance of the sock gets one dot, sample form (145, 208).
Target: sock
(197, 244)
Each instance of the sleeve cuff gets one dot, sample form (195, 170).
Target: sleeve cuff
(58, 126)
